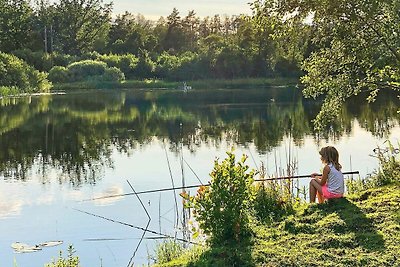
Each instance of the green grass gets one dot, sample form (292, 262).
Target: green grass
(362, 229)
(197, 84)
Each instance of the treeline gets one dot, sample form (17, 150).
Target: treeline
(177, 47)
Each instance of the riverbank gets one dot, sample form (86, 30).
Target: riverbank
(161, 84)
(362, 229)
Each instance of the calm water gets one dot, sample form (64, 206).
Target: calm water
(56, 151)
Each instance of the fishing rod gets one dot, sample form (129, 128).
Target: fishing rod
(298, 176)
(208, 184)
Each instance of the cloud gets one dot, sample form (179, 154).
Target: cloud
(10, 207)
(103, 198)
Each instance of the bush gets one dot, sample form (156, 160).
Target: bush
(58, 74)
(187, 66)
(44, 61)
(388, 172)
(70, 261)
(166, 64)
(272, 201)
(223, 209)
(145, 67)
(86, 70)
(81, 70)
(167, 251)
(6, 91)
(126, 63)
(113, 74)
(16, 73)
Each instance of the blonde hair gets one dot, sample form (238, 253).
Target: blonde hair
(331, 155)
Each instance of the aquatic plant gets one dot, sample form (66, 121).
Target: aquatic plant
(387, 173)
(70, 261)
(167, 250)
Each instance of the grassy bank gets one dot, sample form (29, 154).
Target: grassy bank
(197, 84)
(362, 229)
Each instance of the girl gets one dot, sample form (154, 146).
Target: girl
(331, 183)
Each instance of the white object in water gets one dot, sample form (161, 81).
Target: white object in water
(186, 87)
(24, 248)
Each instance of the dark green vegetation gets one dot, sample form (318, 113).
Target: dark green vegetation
(362, 229)
(16, 76)
(341, 48)
(354, 48)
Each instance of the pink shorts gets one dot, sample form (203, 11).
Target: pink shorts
(327, 194)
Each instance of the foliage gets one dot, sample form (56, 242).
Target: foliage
(131, 34)
(272, 201)
(86, 23)
(217, 46)
(387, 173)
(16, 73)
(359, 230)
(8, 90)
(58, 74)
(168, 250)
(223, 209)
(145, 66)
(113, 74)
(85, 70)
(70, 261)
(355, 49)
(126, 63)
(44, 61)
(15, 24)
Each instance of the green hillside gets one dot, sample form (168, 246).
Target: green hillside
(362, 229)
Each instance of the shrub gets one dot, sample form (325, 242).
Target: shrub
(81, 70)
(145, 67)
(44, 61)
(272, 201)
(166, 64)
(11, 90)
(223, 209)
(16, 73)
(126, 63)
(86, 70)
(387, 173)
(113, 74)
(168, 250)
(70, 261)
(58, 74)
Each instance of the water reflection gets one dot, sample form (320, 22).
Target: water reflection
(76, 133)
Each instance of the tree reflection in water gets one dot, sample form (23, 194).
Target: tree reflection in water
(75, 134)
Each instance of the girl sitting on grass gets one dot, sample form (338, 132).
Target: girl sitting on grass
(331, 183)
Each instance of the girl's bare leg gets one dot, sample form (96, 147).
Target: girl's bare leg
(315, 188)
(320, 197)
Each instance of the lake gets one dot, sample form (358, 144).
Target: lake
(59, 152)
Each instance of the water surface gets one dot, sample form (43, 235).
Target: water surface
(56, 151)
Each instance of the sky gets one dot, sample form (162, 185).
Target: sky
(154, 9)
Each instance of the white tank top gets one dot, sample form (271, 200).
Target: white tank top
(335, 181)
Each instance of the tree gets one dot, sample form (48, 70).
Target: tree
(174, 38)
(87, 21)
(130, 34)
(190, 25)
(357, 48)
(15, 24)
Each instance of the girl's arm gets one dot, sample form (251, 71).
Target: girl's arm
(324, 177)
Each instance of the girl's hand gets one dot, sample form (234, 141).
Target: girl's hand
(314, 175)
